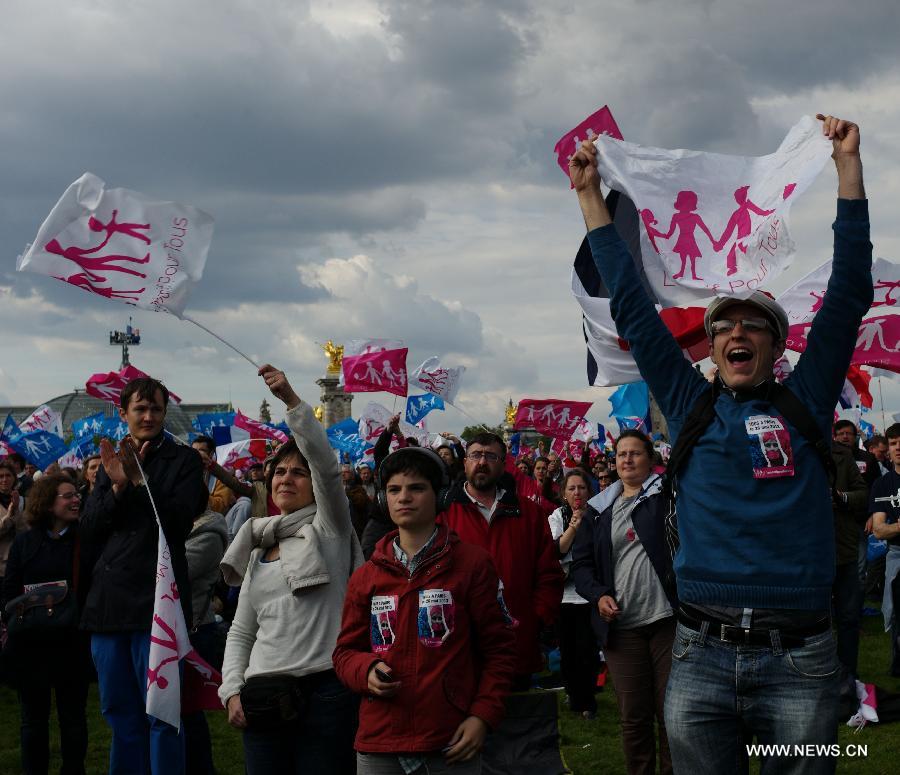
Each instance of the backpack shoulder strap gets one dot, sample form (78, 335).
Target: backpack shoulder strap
(698, 420)
(795, 412)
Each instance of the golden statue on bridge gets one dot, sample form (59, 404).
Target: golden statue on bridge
(335, 353)
(511, 410)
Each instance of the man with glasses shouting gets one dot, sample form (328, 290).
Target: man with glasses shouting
(484, 510)
(753, 654)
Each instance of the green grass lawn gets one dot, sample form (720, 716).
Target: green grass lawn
(589, 747)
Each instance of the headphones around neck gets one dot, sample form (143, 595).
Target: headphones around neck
(442, 501)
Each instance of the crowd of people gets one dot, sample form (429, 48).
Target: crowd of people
(376, 618)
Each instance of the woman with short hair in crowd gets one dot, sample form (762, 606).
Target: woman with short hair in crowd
(57, 659)
(579, 659)
(621, 566)
(278, 680)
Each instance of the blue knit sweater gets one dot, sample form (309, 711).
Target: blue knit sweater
(745, 541)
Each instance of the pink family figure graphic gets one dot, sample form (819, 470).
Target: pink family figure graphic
(129, 229)
(686, 220)
(434, 381)
(91, 264)
(740, 223)
(81, 280)
(888, 299)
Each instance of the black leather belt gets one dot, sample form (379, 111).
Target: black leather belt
(753, 636)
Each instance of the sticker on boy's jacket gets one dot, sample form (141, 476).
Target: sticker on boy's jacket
(383, 622)
(770, 447)
(510, 620)
(436, 616)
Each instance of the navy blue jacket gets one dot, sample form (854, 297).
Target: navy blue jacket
(592, 559)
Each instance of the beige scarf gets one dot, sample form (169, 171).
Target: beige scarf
(302, 561)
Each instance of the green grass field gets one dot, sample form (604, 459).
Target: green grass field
(588, 747)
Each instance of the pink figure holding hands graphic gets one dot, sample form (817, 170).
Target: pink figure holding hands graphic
(741, 224)
(686, 220)
(131, 229)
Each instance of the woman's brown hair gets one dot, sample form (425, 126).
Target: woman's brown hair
(41, 498)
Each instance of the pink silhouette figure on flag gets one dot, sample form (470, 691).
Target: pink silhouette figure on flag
(81, 280)
(174, 597)
(153, 674)
(91, 264)
(686, 220)
(820, 298)
(888, 299)
(129, 229)
(741, 224)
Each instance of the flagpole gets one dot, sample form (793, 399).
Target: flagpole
(473, 419)
(881, 401)
(223, 341)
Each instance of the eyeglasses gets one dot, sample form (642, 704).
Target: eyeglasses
(750, 325)
(67, 496)
(490, 457)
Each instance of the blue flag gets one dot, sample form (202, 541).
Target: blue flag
(514, 443)
(418, 407)
(11, 431)
(84, 447)
(344, 436)
(113, 428)
(40, 447)
(631, 406)
(204, 423)
(91, 425)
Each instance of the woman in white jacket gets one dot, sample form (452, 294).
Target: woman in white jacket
(278, 682)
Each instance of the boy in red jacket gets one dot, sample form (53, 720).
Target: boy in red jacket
(422, 635)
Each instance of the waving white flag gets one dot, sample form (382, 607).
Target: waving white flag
(43, 419)
(436, 379)
(121, 245)
(714, 225)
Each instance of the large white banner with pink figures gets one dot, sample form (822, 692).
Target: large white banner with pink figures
(714, 225)
(878, 340)
(121, 245)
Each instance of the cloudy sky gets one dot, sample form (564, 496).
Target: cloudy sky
(385, 168)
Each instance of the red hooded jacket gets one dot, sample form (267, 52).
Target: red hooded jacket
(527, 561)
(440, 631)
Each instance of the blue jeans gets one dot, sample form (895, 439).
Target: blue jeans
(140, 743)
(320, 741)
(720, 696)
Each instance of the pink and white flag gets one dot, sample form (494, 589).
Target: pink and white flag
(436, 379)
(240, 454)
(878, 339)
(584, 432)
(122, 245)
(258, 429)
(375, 419)
(169, 641)
(551, 416)
(43, 419)
(375, 372)
(714, 225)
(109, 386)
(599, 123)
